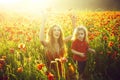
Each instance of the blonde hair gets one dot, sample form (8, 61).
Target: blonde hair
(76, 32)
(51, 40)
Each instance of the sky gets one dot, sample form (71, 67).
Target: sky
(89, 4)
(58, 5)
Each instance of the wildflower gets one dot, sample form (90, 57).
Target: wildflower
(12, 50)
(34, 32)
(3, 57)
(22, 47)
(114, 55)
(40, 66)
(63, 60)
(91, 37)
(5, 77)
(10, 37)
(20, 69)
(71, 68)
(119, 46)
(1, 66)
(2, 63)
(28, 39)
(110, 44)
(16, 39)
(105, 38)
(50, 76)
(20, 32)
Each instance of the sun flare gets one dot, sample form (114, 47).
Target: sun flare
(30, 6)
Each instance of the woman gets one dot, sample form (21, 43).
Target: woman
(54, 44)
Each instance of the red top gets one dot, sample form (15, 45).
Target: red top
(53, 56)
(80, 46)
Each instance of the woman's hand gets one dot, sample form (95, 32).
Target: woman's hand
(77, 53)
(91, 50)
(73, 19)
(44, 16)
(81, 55)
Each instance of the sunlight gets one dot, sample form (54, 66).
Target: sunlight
(26, 6)
(8, 1)
(29, 3)
(5, 2)
(40, 3)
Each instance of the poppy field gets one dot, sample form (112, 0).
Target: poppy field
(22, 55)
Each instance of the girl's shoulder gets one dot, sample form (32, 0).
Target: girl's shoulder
(86, 43)
(75, 42)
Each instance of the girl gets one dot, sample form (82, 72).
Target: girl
(80, 47)
(54, 43)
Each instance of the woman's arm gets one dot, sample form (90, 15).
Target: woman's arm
(91, 50)
(42, 32)
(68, 38)
(77, 53)
(73, 19)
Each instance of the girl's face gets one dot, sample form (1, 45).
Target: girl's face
(56, 32)
(81, 34)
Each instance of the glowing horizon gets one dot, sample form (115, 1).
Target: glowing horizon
(25, 5)
(36, 6)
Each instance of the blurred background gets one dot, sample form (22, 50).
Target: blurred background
(35, 6)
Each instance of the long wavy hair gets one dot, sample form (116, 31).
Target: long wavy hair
(50, 39)
(76, 32)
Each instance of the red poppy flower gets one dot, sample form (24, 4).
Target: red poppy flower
(114, 55)
(105, 38)
(12, 50)
(50, 76)
(20, 69)
(40, 66)
(110, 44)
(21, 46)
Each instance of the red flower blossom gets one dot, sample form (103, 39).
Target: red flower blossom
(50, 76)
(110, 44)
(20, 32)
(5, 77)
(105, 38)
(12, 50)
(29, 39)
(1, 66)
(2, 63)
(3, 57)
(22, 46)
(119, 46)
(91, 37)
(20, 69)
(63, 60)
(114, 55)
(40, 66)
